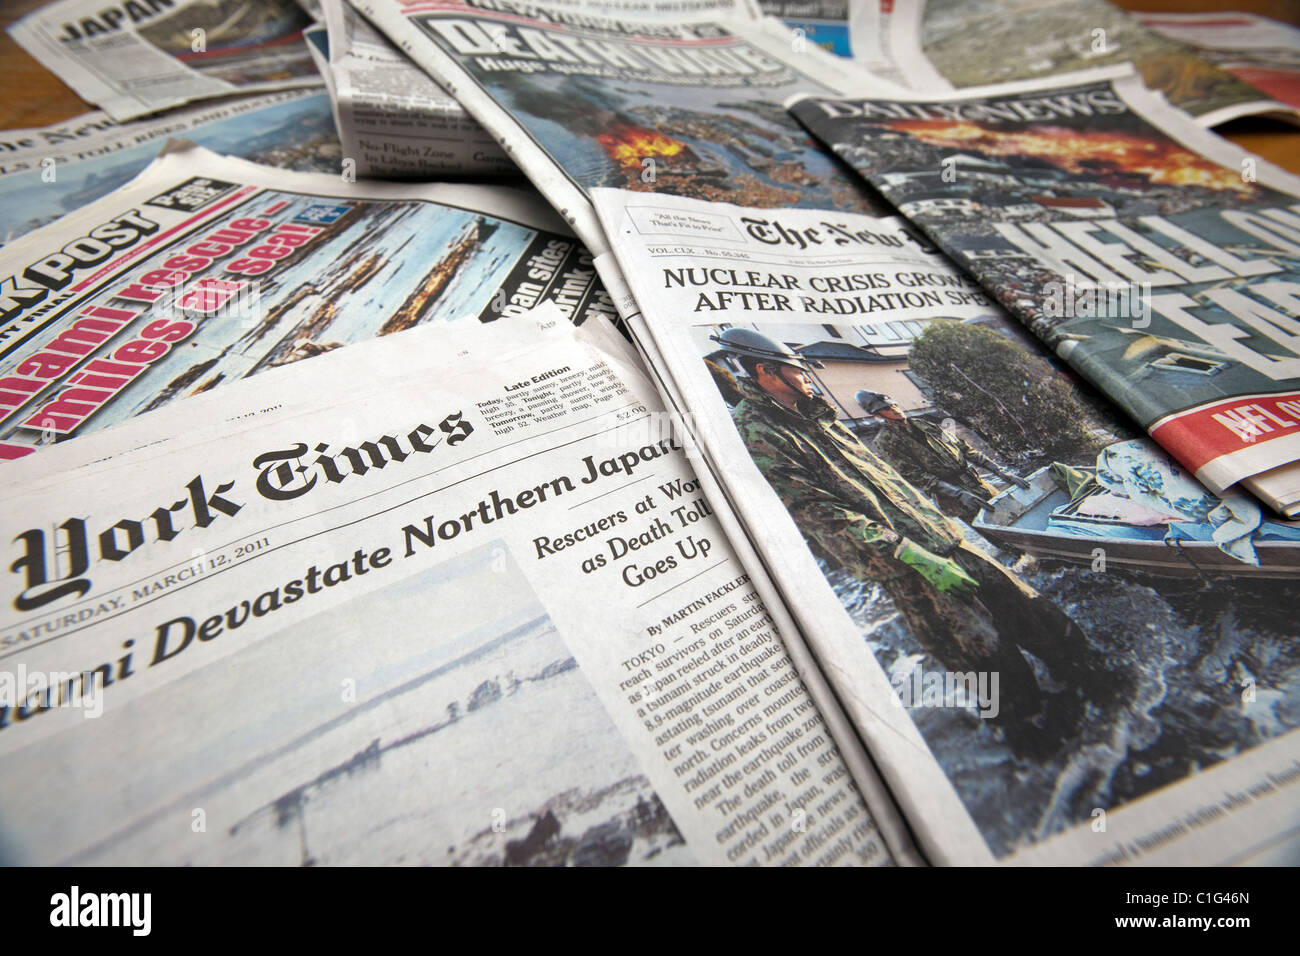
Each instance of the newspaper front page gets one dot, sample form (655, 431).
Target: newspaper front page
(48, 172)
(207, 269)
(687, 106)
(893, 828)
(963, 44)
(1157, 258)
(394, 121)
(1058, 647)
(139, 58)
(354, 637)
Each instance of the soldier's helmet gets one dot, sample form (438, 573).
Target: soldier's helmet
(872, 402)
(746, 344)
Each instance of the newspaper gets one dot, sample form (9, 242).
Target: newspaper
(976, 42)
(1051, 638)
(874, 38)
(486, 717)
(48, 172)
(1157, 258)
(138, 58)
(824, 22)
(206, 269)
(395, 122)
(1255, 49)
(687, 106)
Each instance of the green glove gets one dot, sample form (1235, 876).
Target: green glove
(944, 573)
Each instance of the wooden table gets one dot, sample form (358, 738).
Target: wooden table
(35, 97)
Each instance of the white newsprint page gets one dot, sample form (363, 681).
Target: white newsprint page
(394, 121)
(1058, 647)
(445, 599)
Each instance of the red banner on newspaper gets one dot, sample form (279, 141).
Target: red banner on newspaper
(1200, 435)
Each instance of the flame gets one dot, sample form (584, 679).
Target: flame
(1084, 152)
(629, 145)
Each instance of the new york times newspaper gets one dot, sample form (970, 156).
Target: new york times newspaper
(1159, 260)
(687, 105)
(1058, 646)
(48, 172)
(206, 269)
(956, 44)
(131, 59)
(395, 122)
(444, 599)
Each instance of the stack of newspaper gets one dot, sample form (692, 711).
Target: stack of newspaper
(395, 122)
(941, 513)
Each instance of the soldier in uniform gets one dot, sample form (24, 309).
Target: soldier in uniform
(945, 467)
(966, 610)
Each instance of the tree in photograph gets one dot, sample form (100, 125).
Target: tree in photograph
(1022, 406)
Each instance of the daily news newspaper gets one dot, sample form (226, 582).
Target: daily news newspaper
(958, 44)
(139, 58)
(395, 122)
(51, 171)
(1158, 259)
(689, 106)
(354, 639)
(1058, 647)
(206, 269)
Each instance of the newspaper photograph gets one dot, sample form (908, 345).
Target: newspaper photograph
(690, 107)
(1158, 259)
(206, 269)
(824, 22)
(1262, 52)
(395, 122)
(968, 43)
(448, 494)
(138, 58)
(49, 172)
(1058, 647)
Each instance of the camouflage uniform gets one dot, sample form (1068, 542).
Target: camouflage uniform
(929, 459)
(861, 512)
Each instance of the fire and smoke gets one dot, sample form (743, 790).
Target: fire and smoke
(1084, 152)
(628, 145)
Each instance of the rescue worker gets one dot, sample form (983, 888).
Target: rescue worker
(966, 610)
(941, 465)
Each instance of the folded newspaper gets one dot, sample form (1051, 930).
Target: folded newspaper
(353, 639)
(960, 43)
(206, 269)
(689, 106)
(139, 58)
(1158, 259)
(1255, 49)
(49, 172)
(395, 122)
(1058, 646)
